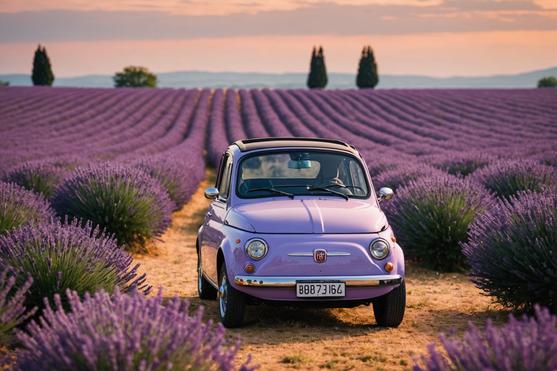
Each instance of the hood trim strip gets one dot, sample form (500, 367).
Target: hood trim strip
(309, 254)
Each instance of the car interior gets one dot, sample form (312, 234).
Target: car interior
(300, 173)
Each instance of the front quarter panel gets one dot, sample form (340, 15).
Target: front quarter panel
(232, 248)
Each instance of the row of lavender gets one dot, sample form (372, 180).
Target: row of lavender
(87, 175)
(476, 180)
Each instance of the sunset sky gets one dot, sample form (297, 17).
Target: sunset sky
(425, 37)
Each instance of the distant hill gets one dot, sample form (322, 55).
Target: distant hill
(188, 79)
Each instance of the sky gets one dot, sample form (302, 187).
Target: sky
(419, 37)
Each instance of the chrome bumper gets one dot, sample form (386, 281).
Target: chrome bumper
(360, 281)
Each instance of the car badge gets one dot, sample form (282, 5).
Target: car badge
(320, 255)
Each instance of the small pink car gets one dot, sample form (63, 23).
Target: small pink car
(296, 221)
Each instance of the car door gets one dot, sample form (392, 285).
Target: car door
(214, 227)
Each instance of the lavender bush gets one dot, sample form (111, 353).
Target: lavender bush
(12, 309)
(404, 174)
(67, 256)
(173, 174)
(121, 200)
(521, 344)
(548, 158)
(506, 178)
(19, 206)
(511, 251)
(124, 332)
(462, 164)
(431, 218)
(378, 165)
(38, 177)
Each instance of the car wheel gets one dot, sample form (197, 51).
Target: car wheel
(232, 303)
(205, 290)
(389, 308)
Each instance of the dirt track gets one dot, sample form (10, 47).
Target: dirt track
(282, 338)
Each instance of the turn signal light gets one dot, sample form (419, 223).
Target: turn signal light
(389, 267)
(249, 268)
(393, 238)
(238, 240)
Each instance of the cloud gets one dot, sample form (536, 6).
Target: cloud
(312, 18)
(547, 4)
(190, 7)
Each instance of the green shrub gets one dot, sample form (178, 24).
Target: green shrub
(135, 77)
(60, 257)
(512, 251)
(40, 178)
(431, 217)
(507, 178)
(19, 206)
(121, 200)
(547, 82)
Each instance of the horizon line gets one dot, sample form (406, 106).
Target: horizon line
(296, 73)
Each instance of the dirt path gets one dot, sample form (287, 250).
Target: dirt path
(285, 338)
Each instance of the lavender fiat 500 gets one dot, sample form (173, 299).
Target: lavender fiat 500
(297, 221)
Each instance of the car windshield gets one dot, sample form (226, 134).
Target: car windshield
(296, 172)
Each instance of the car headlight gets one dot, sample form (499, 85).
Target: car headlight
(256, 248)
(379, 248)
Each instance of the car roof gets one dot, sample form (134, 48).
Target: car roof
(246, 145)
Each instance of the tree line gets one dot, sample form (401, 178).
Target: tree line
(367, 76)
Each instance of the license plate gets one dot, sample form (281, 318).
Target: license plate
(320, 289)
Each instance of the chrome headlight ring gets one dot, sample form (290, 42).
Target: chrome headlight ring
(256, 248)
(379, 248)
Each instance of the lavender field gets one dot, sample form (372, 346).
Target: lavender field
(389, 127)
(475, 173)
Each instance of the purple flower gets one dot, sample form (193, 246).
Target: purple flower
(176, 174)
(404, 174)
(19, 206)
(119, 199)
(462, 164)
(507, 178)
(39, 177)
(511, 251)
(12, 309)
(431, 217)
(124, 332)
(67, 256)
(520, 344)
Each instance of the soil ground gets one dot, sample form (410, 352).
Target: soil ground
(343, 339)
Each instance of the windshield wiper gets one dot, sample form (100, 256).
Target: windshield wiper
(277, 191)
(329, 191)
(344, 186)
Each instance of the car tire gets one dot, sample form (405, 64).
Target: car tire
(232, 303)
(389, 308)
(205, 289)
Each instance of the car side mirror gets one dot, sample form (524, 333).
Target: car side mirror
(385, 193)
(211, 193)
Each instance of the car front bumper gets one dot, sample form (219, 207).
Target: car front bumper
(350, 281)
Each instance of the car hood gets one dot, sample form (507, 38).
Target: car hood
(308, 216)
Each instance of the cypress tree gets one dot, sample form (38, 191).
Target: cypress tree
(322, 78)
(42, 70)
(317, 78)
(367, 70)
(312, 69)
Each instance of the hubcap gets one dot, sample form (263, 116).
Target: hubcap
(222, 296)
